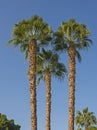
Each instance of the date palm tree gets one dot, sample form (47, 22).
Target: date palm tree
(48, 65)
(72, 36)
(30, 35)
(85, 118)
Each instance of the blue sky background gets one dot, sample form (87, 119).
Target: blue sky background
(14, 83)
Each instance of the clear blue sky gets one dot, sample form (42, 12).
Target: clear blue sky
(14, 83)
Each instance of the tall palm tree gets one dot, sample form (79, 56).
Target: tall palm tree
(48, 65)
(85, 118)
(30, 35)
(72, 36)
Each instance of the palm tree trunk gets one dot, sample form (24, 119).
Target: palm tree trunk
(86, 127)
(71, 78)
(48, 98)
(32, 79)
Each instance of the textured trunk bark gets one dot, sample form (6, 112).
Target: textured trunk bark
(48, 98)
(32, 79)
(71, 78)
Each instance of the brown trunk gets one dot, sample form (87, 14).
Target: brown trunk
(71, 78)
(32, 79)
(86, 127)
(48, 98)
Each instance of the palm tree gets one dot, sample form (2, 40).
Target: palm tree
(30, 35)
(48, 65)
(85, 118)
(72, 36)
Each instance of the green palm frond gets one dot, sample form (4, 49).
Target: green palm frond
(23, 47)
(27, 30)
(49, 60)
(39, 79)
(85, 118)
(71, 31)
(78, 56)
(60, 71)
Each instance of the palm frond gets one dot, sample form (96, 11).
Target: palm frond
(71, 31)
(39, 79)
(26, 30)
(85, 118)
(78, 56)
(49, 60)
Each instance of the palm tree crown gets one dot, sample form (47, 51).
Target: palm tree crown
(32, 29)
(72, 32)
(85, 118)
(47, 60)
